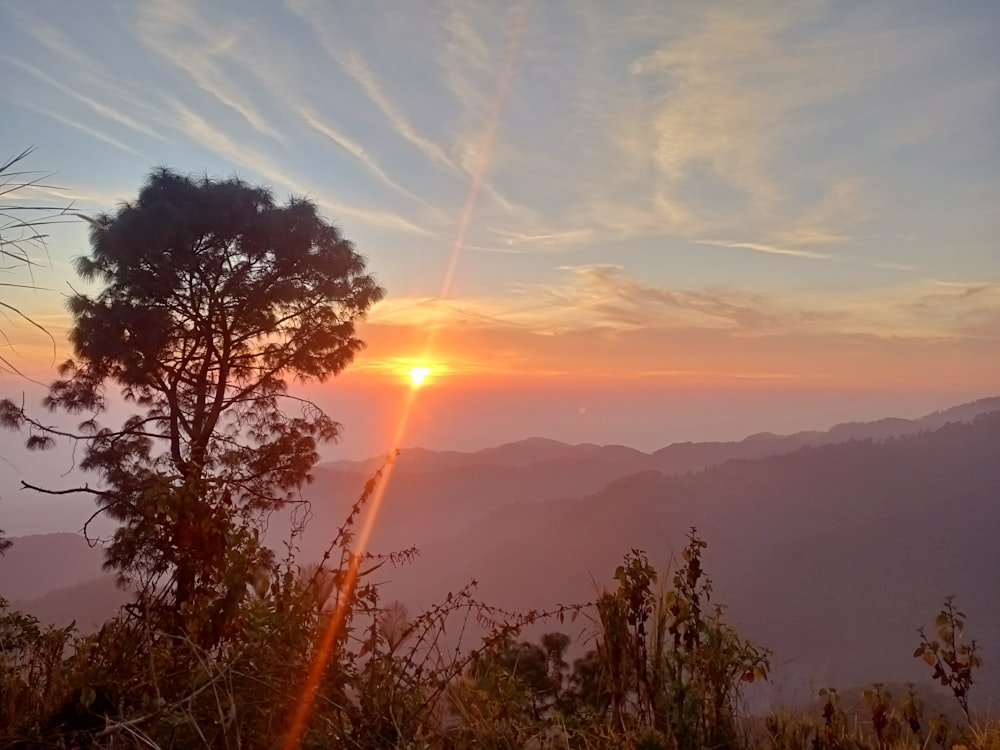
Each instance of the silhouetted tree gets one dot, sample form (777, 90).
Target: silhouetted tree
(211, 297)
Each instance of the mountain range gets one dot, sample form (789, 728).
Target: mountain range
(830, 547)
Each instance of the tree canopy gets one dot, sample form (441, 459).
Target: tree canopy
(211, 297)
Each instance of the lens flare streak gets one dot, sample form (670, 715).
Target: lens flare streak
(337, 617)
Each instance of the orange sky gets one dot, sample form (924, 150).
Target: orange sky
(485, 356)
(472, 354)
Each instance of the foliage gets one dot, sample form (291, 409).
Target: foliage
(952, 660)
(888, 726)
(667, 664)
(31, 673)
(899, 724)
(395, 680)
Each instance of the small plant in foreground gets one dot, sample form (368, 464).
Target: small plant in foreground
(953, 661)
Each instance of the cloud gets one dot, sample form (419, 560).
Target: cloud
(593, 296)
(553, 239)
(81, 198)
(598, 321)
(355, 149)
(605, 297)
(350, 61)
(766, 249)
(810, 235)
(365, 79)
(625, 302)
(701, 131)
(104, 137)
(54, 40)
(890, 266)
(714, 115)
(207, 135)
(172, 30)
(843, 204)
(970, 308)
(769, 249)
(465, 52)
(100, 108)
(464, 49)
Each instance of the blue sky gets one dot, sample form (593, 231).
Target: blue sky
(715, 191)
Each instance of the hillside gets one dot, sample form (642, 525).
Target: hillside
(436, 494)
(88, 605)
(34, 565)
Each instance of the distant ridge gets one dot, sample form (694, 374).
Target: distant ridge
(88, 605)
(676, 457)
(39, 563)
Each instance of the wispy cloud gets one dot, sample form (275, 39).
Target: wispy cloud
(605, 297)
(624, 302)
(206, 134)
(354, 148)
(81, 198)
(810, 235)
(465, 50)
(766, 249)
(593, 296)
(100, 108)
(93, 133)
(365, 79)
(890, 266)
(971, 308)
(798, 252)
(554, 239)
(172, 30)
(54, 40)
(465, 54)
(843, 204)
(712, 117)
(712, 104)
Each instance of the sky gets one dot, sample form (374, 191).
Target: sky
(595, 221)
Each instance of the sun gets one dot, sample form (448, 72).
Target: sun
(418, 375)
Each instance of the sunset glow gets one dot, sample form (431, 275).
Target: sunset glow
(702, 216)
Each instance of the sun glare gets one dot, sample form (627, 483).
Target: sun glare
(418, 375)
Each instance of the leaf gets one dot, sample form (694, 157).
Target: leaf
(87, 696)
(929, 658)
(39, 442)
